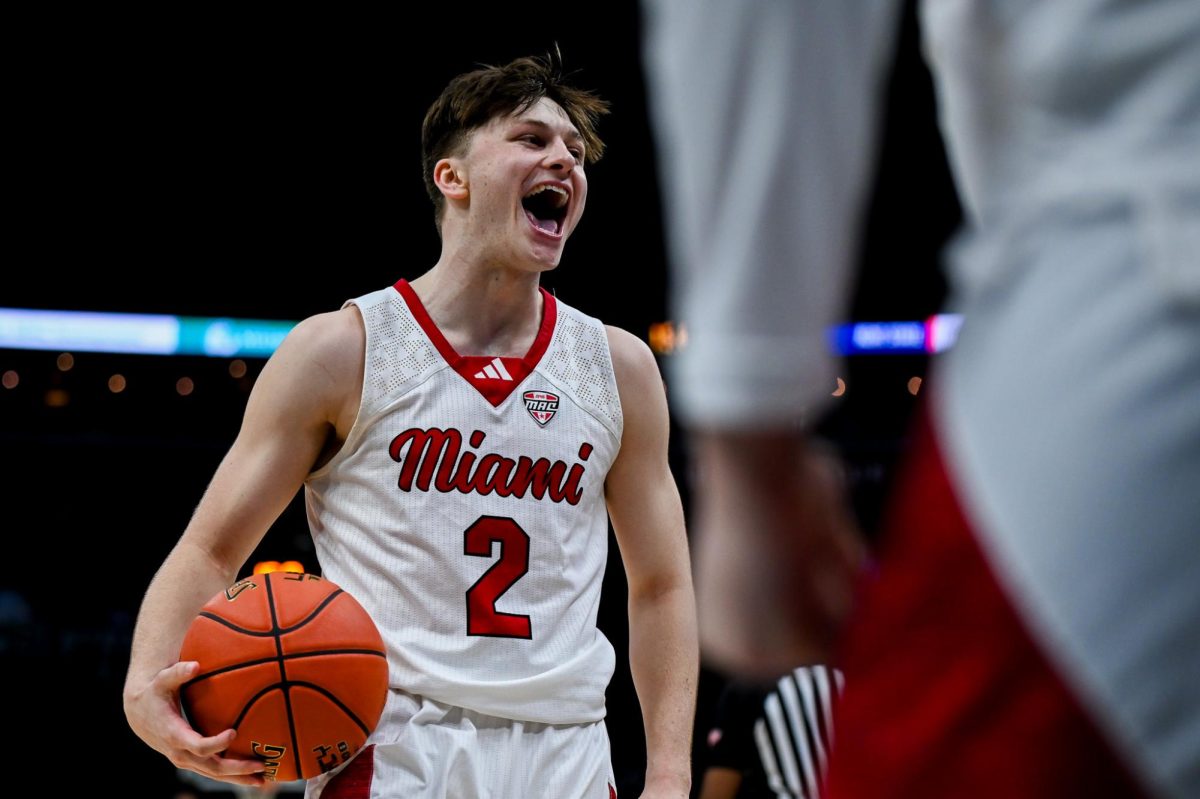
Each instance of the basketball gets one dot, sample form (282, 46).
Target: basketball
(294, 664)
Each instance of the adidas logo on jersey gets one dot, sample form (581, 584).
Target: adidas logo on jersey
(542, 405)
(493, 371)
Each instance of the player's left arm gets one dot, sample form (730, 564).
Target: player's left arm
(647, 516)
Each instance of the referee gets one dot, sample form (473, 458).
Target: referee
(772, 741)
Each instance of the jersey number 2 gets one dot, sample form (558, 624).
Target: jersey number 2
(482, 616)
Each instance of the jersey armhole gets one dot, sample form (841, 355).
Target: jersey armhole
(356, 427)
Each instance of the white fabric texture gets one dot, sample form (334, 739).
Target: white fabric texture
(400, 549)
(748, 177)
(428, 750)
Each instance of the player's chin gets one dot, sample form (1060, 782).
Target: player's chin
(544, 259)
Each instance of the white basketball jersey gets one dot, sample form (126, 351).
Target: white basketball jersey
(466, 511)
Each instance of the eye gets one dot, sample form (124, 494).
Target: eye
(531, 138)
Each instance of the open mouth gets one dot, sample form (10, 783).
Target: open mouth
(546, 207)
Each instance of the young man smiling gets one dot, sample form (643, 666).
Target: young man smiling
(463, 440)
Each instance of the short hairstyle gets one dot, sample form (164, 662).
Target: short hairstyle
(473, 99)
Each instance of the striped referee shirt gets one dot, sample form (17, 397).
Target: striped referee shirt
(778, 736)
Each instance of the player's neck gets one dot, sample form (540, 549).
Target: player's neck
(482, 312)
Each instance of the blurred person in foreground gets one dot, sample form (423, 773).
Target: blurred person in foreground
(1031, 623)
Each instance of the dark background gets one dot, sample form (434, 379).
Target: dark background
(269, 168)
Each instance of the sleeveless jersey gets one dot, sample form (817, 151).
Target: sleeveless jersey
(466, 511)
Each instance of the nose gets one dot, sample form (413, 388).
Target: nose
(559, 156)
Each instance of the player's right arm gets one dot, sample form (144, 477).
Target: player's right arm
(301, 406)
(766, 117)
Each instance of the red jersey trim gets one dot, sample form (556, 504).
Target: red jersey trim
(478, 370)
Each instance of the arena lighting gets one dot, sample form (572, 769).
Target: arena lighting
(935, 334)
(148, 334)
(139, 334)
(268, 566)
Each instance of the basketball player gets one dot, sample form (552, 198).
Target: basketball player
(459, 439)
(772, 741)
(1034, 626)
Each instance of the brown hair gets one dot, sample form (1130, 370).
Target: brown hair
(474, 98)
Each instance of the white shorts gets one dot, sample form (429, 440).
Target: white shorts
(431, 750)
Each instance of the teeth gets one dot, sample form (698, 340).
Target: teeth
(561, 200)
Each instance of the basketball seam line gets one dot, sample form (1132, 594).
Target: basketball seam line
(287, 697)
(246, 664)
(286, 684)
(276, 629)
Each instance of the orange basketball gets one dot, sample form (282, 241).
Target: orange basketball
(294, 664)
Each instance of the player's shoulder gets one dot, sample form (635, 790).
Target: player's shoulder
(633, 363)
(332, 331)
(626, 346)
(333, 342)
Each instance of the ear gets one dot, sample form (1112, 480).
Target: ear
(450, 179)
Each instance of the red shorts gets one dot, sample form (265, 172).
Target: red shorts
(946, 693)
